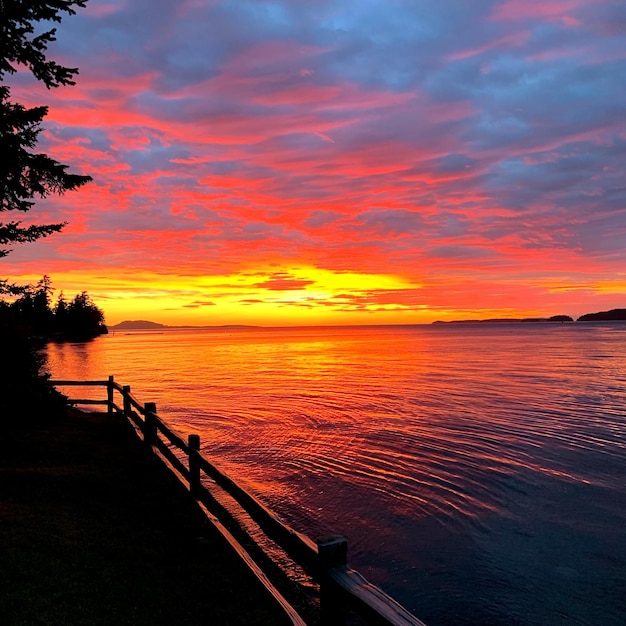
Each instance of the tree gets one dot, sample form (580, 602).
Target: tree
(42, 313)
(20, 46)
(60, 312)
(32, 313)
(84, 319)
(25, 175)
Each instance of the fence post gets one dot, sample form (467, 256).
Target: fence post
(126, 398)
(194, 464)
(149, 425)
(332, 551)
(110, 396)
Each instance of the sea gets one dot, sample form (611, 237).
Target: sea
(478, 471)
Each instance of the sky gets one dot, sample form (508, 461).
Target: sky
(337, 162)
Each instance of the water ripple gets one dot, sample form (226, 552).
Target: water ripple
(476, 471)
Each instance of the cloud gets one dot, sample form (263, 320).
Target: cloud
(416, 136)
(387, 223)
(198, 304)
(283, 282)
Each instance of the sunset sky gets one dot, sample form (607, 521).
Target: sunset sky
(337, 161)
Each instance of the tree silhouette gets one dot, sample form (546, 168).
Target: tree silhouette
(20, 45)
(24, 174)
(84, 318)
(32, 313)
(60, 312)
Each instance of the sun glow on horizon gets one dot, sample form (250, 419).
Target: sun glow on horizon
(301, 295)
(258, 296)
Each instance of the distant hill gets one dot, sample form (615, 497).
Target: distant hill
(614, 315)
(511, 320)
(147, 325)
(137, 325)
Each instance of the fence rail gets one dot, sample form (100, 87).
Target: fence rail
(341, 589)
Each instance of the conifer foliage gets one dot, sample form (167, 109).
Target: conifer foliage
(25, 174)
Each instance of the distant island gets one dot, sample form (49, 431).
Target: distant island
(614, 315)
(510, 320)
(147, 325)
(137, 325)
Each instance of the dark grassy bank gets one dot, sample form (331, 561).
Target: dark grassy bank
(95, 531)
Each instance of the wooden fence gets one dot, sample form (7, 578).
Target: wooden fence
(343, 592)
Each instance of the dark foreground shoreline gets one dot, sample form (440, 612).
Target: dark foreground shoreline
(95, 531)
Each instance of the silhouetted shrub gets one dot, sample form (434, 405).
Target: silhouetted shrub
(26, 395)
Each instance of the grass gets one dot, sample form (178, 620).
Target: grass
(95, 531)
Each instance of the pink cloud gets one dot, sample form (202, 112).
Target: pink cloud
(513, 40)
(515, 10)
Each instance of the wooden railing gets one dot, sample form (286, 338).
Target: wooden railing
(342, 590)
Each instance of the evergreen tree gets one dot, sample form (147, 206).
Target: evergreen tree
(24, 174)
(33, 314)
(43, 317)
(84, 318)
(20, 46)
(60, 313)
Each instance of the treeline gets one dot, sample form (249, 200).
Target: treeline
(35, 315)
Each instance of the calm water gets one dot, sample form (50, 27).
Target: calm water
(479, 472)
